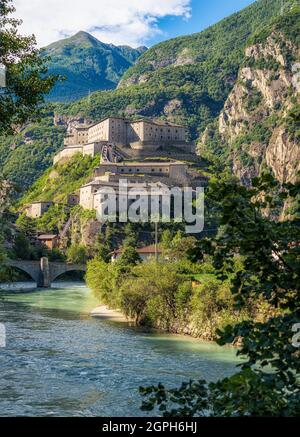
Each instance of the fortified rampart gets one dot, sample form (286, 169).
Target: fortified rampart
(134, 139)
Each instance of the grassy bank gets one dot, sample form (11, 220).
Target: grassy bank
(173, 295)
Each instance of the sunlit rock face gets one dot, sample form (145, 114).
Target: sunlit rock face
(258, 121)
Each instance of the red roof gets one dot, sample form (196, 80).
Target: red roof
(146, 249)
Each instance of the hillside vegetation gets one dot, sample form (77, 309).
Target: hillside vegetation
(26, 155)
(185, 80)
(259, 124)
(62, 179)
(87, 65)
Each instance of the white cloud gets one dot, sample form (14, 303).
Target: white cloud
(117, 21)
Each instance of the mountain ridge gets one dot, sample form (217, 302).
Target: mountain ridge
(193, 95)
(87, 64)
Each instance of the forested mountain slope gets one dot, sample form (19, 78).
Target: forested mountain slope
(259, 126)
(87, 64)
(185, 80)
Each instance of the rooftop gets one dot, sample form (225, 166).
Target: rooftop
(143, 164)
(158, 122)
(47, 237)
(40, 202)
(146, 249)
(140, 120)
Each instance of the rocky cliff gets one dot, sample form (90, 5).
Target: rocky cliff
(260, 120)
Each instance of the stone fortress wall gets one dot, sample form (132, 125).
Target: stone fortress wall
(133, 139)
(148, 154)
(140, 175)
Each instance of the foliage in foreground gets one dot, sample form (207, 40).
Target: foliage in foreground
(268, 382)
(26, 80)
(172, 293)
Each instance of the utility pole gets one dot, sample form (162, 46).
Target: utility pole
(156, 240)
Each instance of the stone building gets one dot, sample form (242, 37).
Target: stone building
(76, 136)
(37, 209)
(137, 175)
(175, 171)
(111, 129)
(139, 138)
(139, 133)
(87, 192)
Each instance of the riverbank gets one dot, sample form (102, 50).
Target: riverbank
(18, 287)
(104, 312)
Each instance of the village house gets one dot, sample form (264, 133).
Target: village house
(37, 209)
(50, 241)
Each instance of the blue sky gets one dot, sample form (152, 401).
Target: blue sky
(132, 22)
(203, 14)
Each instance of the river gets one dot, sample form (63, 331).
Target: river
(59, 361)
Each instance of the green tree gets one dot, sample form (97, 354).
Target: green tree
(268, 382)
(129, 257)
(3, 271)
(149, 293)
(178, 247)
(102, 278)
(102, 251)
(77, 254)
(22, 248)
(26, 224)
(131, 237)
(26, 80)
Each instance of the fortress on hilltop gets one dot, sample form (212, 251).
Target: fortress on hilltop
(148, 154)
(117, 138)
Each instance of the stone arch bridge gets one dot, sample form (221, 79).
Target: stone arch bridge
(44, 272)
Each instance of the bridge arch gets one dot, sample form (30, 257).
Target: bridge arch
(28, 267)
(58, 269)
(44, 272)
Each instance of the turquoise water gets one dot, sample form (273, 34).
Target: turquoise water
(59, 361)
